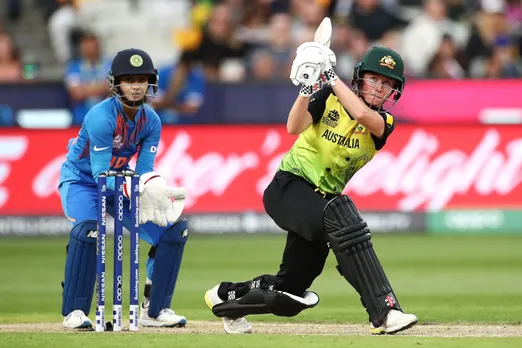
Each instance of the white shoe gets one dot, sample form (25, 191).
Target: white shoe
(166, 318)
(77, 320)
(395, 321)
(230, 325)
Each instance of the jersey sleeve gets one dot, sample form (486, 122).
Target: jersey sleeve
(149, 147)
(317, 103)
(389, 126)
(100, 130)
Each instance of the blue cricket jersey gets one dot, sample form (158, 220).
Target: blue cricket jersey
(108, 140)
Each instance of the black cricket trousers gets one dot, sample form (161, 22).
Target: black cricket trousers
(297, 208)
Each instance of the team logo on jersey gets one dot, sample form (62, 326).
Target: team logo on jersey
(117, 142)
(331, 119)
(388, 62)
(360, 129)
(136, 61)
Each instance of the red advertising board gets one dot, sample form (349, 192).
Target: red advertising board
(226, 168)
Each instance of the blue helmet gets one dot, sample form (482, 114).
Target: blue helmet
(132, 61)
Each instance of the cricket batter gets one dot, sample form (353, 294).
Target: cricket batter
(340, 130)
(113, 131)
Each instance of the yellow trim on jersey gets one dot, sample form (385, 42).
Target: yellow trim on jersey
(389, 119)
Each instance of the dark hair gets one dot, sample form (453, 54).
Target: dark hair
(88, 35)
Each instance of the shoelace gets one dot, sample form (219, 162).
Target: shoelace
(168, 311)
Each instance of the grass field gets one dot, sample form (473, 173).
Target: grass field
(457, 286)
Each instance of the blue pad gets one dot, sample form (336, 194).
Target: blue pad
(167, 262)
(80, 268)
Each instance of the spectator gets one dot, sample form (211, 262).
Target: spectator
(446, 63)
(340, 43)
(357, 47)
(264, 66)
(48, 7)
(14, 9)
(422, 38)
(10, 65)
(457, 10)
(253, 28)
(279, 46)
(503, 62)
(308, 15)
(340, 9)
(514, 14)
(187, 103)
(391, 39)
(373, 19)
(85, 77)
(217, 45)
(488, 24)
(61, 25)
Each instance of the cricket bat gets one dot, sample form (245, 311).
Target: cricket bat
(322, 35)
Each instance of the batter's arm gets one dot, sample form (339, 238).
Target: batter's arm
(358, 109)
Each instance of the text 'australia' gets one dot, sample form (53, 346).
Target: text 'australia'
(341, 139)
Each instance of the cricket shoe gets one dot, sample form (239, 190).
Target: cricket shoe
(230, 325)
(395, 321)
(77, 320)
(166, 318)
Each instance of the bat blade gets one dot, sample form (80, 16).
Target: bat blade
(322, 35)
(324, 32)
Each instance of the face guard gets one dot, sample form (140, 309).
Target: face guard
(385, 62)
(384, 103)
(117, 91)
(133, 62)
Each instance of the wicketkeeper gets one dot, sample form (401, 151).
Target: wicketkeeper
(112, 132)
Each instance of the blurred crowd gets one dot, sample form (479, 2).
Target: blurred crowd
(237, 40)
(255, 40)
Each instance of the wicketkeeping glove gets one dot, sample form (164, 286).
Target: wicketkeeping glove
(159, 203)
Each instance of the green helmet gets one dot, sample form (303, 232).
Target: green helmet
(383, 61)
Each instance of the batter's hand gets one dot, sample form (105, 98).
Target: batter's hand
(311, 60)
(308, 90)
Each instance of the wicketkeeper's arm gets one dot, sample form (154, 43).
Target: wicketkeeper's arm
(100, 147)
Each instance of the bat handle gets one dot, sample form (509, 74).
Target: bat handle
(308, 71)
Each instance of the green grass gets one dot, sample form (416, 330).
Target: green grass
(447, 279)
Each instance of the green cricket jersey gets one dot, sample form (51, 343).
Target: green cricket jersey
(331, 150)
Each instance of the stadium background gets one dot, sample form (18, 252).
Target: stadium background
(443, 198)
(453, 164)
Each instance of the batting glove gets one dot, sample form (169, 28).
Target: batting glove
(308, 90)
(311, 60)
